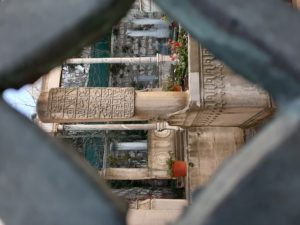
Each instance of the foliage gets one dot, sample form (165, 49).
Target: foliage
(165, 18)
(170, 162)
(179, 54)
(169, 84)
(182, 57)
(118, 161)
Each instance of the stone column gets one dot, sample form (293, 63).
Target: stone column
(160, 146)
(75, 105)
(112, 126)
(130, 146)
(150, 21)
(157, 33)
(128, 60)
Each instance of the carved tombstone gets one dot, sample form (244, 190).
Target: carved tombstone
(86, 104)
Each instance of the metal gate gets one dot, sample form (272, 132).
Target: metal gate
(42, 183)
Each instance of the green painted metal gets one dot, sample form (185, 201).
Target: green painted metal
(93, 151)
(98, 77)
(99, 73)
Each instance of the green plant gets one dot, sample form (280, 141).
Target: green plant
(164, 18)
(169, 84)
(112, 161)
(182, 58)
(179, 53)
(170, 162)
(118, 161)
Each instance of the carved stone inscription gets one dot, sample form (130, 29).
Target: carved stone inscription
(90, 103)
(212, 74)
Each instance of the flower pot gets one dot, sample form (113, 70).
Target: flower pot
(179, 169)
(176, 87)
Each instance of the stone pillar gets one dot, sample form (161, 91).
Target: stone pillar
(159, 103)
(128, 60)
(150, 21)
(160, 145)
(130, 146)
(75, 105)
(112, 126)
(149, 6)
(157, 33)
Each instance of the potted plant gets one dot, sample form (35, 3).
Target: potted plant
(176, 87)
(176, 168)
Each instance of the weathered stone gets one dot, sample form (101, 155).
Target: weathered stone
(160, 146)
(261, 183)
(155, 211)
(48, 81)
(218, 96)
(208, 148)
(71, 105)
(90, 104)
(125, 174)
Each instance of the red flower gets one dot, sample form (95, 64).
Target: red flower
(177, 44)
